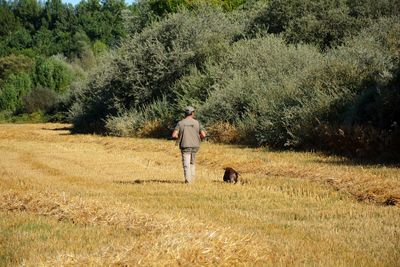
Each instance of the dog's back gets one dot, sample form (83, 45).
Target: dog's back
(230, 175)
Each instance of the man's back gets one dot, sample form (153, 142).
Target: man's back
(189, 130)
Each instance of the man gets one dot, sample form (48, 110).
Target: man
(189, 133)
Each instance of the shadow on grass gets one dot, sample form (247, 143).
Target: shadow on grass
(154, 181)
(241, 182)
(375, 163)
(66, 128)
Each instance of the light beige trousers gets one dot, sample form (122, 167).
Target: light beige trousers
(189, 168)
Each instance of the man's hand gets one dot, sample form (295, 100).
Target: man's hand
(202, 135)
(174, 134)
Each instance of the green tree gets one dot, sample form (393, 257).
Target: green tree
(28, 12)
(59, 24)
(14, 64)
(80, 43)
(8, 22)
(13, 90)
(52, 13)
(90, 18)
(44, 42)
(112, 15)
(53, 73)
(102, 21)
(17, 41)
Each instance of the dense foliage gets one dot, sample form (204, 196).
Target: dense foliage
(47, 46)
(285, 74)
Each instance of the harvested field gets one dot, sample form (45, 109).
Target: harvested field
(94, 200)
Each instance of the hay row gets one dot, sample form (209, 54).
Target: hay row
(176, 241)
(76, 210)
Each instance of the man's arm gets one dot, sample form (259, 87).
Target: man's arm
(202, 135)
(202, 132)
(175, 134)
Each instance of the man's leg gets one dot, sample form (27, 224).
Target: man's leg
(192, 164)
(186, 157)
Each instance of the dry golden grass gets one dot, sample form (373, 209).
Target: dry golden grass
(92, 201)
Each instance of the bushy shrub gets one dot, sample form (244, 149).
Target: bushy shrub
(153, 120)
(351, 86)
(334, 87)
(126, 124)
(99, 48)
(154, 129)
(224, 132)
(157, 119)
(256, 84)
(162, 7)
(361, 141)
(319, 22)
(374, 9)
(39, 99)
(93, 101)
(154, 60)
(148, 65)
(281, 93)
(194, 88)
(366, 67)
(257, 91)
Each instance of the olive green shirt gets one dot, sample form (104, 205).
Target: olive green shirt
(189, 133)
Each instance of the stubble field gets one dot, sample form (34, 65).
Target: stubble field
(91, 200)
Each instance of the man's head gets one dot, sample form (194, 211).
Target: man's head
(189, 110)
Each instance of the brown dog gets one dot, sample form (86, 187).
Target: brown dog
(230, 175)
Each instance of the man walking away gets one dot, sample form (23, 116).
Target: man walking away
(189, 133)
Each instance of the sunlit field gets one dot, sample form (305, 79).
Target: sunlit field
(95, 200)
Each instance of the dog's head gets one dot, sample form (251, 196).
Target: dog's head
(231, 170)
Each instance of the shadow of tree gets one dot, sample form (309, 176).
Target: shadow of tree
(359, 162)
(66, 128)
